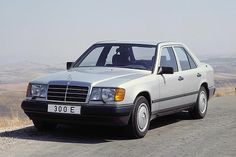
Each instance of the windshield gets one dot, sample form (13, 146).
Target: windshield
(119, 55)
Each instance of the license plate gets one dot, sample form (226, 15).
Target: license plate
(64, 109)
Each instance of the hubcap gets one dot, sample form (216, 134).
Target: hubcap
(202, 102)
(142, 117)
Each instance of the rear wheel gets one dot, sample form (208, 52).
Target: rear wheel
(44, 126)
(200, 108)
(140, 118)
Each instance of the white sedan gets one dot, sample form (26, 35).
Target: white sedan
(122, 83)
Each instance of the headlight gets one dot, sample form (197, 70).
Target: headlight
(96, 94)
(107, 94)
(37, 90)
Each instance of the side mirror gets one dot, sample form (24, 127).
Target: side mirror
(69, 65)
(165, 70)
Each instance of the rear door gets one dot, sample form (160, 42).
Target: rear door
(189, 73)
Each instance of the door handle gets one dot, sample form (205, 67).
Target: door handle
(199, 75)
(180, 78)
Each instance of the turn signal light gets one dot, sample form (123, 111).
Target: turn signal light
(119, 94)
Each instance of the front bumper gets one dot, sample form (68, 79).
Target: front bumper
(99, 114)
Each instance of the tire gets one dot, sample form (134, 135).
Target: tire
(140, 118)
(200, 108)
(44, 126)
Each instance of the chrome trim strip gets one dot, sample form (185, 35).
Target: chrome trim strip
(174, 97)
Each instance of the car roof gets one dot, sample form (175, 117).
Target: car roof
(154, 43)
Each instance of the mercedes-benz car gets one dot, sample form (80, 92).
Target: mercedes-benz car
(123, 84)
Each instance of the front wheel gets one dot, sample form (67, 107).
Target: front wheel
(140, 118)
(200, 108)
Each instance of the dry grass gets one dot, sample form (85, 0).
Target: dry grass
(225, 91)
(14, 122)
(11, 114)
(219, 94)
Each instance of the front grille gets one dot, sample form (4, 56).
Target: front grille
(67, 93)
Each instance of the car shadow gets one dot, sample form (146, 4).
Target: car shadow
(88, 134)
(169, 119)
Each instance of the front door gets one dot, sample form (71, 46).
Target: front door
(170, 85)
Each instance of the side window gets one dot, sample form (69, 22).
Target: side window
(192, 63)
(183, 58)
(168, 58)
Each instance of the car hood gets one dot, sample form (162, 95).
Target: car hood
(95, 75)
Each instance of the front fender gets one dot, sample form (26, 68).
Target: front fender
(147, 84)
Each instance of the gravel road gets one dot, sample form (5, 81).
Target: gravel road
(175, 135)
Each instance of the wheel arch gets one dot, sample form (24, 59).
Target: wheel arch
(147, 95)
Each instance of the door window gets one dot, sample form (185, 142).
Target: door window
(183, 58)
(191, 61)
(168, 58)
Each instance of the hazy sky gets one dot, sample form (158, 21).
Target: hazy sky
(60, 30)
